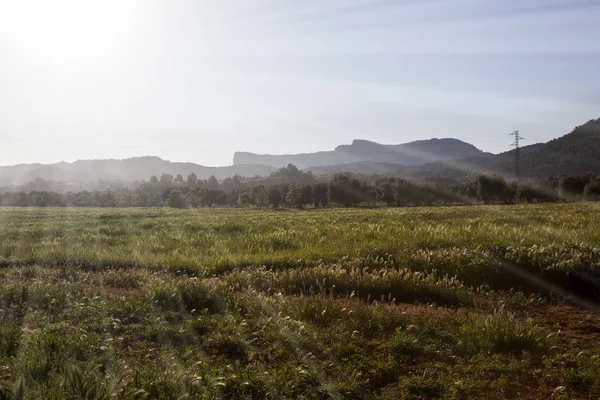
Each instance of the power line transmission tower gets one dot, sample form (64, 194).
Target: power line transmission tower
(516, 146)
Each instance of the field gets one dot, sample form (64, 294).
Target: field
(412, 303)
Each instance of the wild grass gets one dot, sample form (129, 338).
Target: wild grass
(392, 303)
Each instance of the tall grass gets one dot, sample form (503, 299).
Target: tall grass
(390, 303)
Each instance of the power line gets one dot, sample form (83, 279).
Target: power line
(516, 146)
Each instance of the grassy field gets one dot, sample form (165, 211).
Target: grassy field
(413, 303)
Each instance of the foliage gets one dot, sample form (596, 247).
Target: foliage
(340, 190)
(176, 199)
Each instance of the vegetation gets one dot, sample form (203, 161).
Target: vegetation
(461, 302)
(575, 153)
(290, 187)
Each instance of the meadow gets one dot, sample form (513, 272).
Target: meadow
(494, 302)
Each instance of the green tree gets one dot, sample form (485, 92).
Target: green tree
(213, 183)
(319, 195)
(385, 192)
(490, 188)
(291, 172)
(343, 190)
(260, 197)
(306, 195)
(243, 199)
(195, 198)
(166, 178)
(592, 189)
(176, 199)
(406, 193)
(275, 196)
(192, 180)
(525, 192)
(293, 196)
(571, 187)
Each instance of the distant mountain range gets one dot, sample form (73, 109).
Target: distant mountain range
(442, 159)
(434, 160)
(127, 170)
(413, 153)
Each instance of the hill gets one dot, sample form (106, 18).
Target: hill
(413, 153)
(574, 153)
(127, 170)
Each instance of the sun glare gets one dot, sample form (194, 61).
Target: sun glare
(68, 30)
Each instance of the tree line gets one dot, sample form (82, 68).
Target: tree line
(292, 188)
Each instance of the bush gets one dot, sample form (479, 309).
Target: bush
(196, 296)
(404, 346)
(500, 333)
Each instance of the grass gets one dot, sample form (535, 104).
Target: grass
(416, 303)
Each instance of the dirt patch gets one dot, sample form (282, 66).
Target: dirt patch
(574, 323)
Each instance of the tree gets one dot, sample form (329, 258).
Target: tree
(233, 184)
(213, 197)
(195, 198)
(306, 195)
(275, 196)
(525, 192)
(592, 189)
(192, 180)
(291, 172)
(213, 183)
(243, 199)
(179, 178)
(284, 191)
(509, 193)
(343, 190)
(490, 188)
(260, 197)
(571, 187)
(293, 196)
(166, 178)
(319, 195)
(154, 180)
(368, 193)
(107, 199)
(176, 199)
(406, 193)
(385, 192)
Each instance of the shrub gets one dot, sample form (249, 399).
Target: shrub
(195, 295)
(500, 333)
(405, 346)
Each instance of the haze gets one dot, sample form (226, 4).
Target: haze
(197, 80)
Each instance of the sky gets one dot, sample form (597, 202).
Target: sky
(197, 80)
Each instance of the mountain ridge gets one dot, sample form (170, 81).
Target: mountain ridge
(575, 152)
(362, 150)
(126, 170)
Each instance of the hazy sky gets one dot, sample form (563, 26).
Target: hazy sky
(197, 80)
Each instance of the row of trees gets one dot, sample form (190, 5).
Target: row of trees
(341, 190)
(290, 187)
(494, 189)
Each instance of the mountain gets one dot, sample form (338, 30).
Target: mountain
(432, 160)
(574, 153)
(127, 170)
(413, 153)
